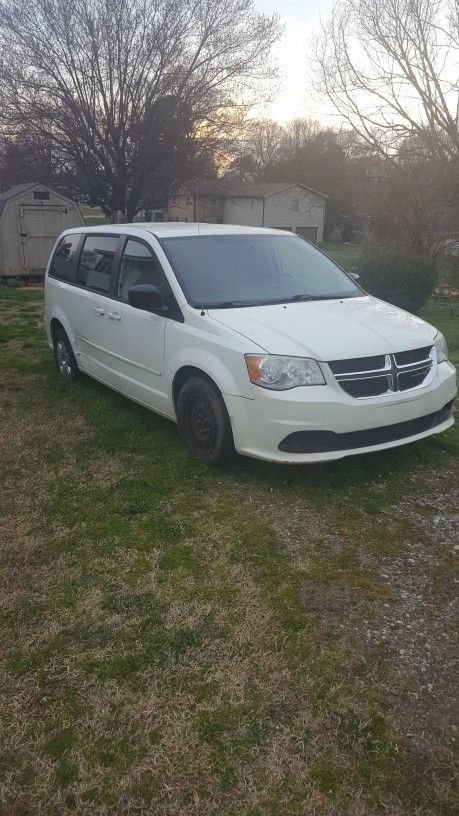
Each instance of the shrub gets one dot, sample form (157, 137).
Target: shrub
(401, 278)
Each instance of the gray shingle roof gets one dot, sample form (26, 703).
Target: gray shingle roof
(264, 189)
(245, 189)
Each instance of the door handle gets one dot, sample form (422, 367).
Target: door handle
(114, 316)
(98, 310)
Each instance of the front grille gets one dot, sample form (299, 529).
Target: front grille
(328, 441)
(412, 379)
(371, 387)
(362, 377)
(414, 356)
(357, 364)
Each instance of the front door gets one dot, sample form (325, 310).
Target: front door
(135, 337)
(91, 301)
(39, 228)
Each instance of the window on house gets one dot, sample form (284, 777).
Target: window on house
(188, 200)
(295, 204)
(42, 195)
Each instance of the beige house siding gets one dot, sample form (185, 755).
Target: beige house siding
(245, 211)
(291, 208)
(294, 208)
(208, 209)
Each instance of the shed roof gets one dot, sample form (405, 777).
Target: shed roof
(19, 189)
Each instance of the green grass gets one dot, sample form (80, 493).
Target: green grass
(177, 638)
(347, 255)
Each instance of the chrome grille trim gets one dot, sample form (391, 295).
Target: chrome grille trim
(389, 372)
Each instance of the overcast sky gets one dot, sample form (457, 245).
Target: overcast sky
(300, 18)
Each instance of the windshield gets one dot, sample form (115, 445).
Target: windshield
(224, 271)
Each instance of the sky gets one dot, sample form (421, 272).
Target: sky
(301, 19)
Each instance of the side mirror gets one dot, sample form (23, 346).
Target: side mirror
(147, 297)
(354, 275)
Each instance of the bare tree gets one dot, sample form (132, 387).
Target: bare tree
(134, 94)
(299, 134)
(390, 69)
(267, 141)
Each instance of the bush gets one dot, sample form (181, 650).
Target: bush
(401, 278)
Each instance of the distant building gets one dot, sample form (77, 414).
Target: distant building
(31, 218)
(284, 205)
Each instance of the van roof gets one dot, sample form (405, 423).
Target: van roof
(174, 229)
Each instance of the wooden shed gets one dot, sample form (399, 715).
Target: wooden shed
(31, 218)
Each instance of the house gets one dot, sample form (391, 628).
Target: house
(31, 218)
(197, 201)
(283, 205)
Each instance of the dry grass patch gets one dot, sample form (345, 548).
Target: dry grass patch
(177, 640)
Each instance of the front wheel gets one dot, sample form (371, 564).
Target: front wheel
(64, 357)
(204, 423)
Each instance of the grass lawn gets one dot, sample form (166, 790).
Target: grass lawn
(347, 255)
(249, 642)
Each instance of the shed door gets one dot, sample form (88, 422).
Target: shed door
(308, 232)
(39, 228)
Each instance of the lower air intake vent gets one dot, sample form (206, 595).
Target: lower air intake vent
(327, 441)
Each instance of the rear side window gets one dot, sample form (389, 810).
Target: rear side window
(96, 262)
(62, 263)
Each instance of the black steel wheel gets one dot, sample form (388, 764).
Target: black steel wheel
(204, 423)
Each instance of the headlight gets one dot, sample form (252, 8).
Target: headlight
(281, 373)
(441, 348)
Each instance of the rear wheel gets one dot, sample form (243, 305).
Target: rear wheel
(64, 358)
(204, 423)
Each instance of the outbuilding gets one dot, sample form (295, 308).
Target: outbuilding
(31, 218)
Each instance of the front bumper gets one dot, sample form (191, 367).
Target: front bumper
(262, 424)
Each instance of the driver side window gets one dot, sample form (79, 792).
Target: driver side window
(138, 265)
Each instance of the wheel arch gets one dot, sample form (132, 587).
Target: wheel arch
(183, 374)
(55, 325)
(58, 320)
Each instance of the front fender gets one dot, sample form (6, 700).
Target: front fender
(225, 375)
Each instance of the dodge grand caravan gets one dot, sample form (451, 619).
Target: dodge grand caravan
(250, 339)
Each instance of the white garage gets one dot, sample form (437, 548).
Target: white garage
(31, 218)
(289, 206)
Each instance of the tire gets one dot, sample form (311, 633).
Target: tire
(204, 423)
(64, 358)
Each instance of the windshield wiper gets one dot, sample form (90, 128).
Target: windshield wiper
(302, 298)
(297, 298)
(232, 304)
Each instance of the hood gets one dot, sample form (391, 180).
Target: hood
(329, 329)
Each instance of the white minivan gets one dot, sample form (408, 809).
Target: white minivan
(252, 340)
